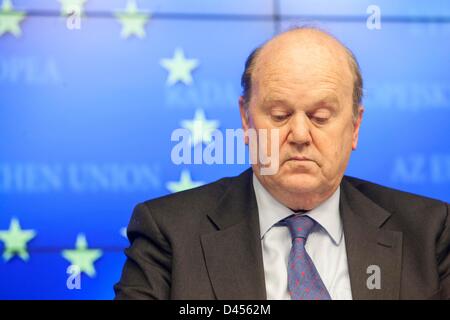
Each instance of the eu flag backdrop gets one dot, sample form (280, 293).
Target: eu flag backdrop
(91, 91)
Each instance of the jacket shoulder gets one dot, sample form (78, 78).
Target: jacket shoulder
(195, 201)
(393, 199)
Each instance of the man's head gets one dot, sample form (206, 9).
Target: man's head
(306, 84)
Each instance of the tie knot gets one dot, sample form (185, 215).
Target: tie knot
(300, 226)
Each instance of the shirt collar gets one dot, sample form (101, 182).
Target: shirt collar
(271, 211)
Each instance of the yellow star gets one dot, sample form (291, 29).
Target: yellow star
(185, 183)
(201, 128)
(179, 68)
(83, 257)
(123, 232)
(133, 22)
(69, 7)
(15, 240)
(10, 19)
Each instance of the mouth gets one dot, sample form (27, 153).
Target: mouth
(301, 161)
(299, 158)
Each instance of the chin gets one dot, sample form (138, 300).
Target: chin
(299, 182)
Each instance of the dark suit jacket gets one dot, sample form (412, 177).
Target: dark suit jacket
(204, 243)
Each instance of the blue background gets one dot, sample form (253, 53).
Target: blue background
(91, 101)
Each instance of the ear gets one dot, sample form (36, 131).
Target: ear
(244, 117)
(357, 125)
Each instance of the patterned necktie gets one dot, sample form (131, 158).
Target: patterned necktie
(304, 281)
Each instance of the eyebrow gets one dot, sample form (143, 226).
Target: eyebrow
(327, 100)
(274, 99)
(332, 98)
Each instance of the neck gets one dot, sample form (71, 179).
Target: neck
(299, 201)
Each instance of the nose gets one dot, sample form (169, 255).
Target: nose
(299, 129)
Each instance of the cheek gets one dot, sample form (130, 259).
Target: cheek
(258, 121)
(334, 146)
(261, 122)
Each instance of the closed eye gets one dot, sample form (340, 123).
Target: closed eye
(319, 120)
(280, 118)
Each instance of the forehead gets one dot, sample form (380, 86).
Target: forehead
(302, 67)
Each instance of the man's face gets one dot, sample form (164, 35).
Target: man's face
(307, 96)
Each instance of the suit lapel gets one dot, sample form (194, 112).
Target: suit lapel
(370, 247)
(233, 254)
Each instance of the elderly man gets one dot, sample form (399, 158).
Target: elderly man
(306, 231)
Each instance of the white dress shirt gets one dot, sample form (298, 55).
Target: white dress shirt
(325, 245)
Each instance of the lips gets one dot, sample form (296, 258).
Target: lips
(300, 158)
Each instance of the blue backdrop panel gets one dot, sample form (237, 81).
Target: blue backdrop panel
(395, 9)
(86, 115)
(219, 7)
